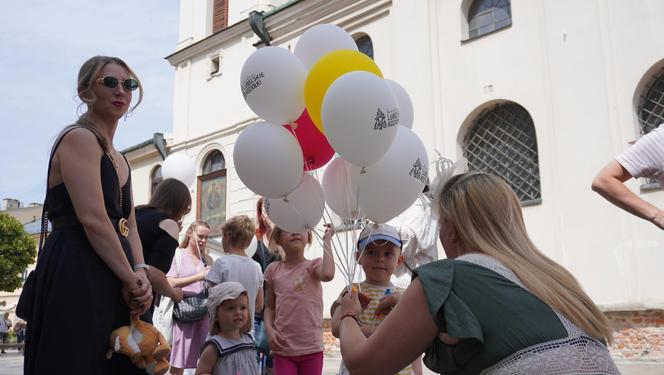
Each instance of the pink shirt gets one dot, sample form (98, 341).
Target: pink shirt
(299, 306)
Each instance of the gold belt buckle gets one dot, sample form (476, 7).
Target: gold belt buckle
(123, 227)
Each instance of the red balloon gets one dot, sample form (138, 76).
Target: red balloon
(315, 147)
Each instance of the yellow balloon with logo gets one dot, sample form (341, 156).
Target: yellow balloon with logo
(326, 70)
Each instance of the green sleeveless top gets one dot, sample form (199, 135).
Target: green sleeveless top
(492, 316)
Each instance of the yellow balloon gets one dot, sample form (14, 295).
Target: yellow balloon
(326, 70)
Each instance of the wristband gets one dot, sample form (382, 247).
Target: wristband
(351, 315)
(141, 265)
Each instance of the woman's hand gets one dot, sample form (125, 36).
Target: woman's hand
(138, 293)
(178, 295)
(387, 303)
(350, 303)
(203, 274)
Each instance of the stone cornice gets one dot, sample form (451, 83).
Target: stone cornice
(291, 22)
(209, 137)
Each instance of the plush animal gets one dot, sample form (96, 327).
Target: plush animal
(144, 344)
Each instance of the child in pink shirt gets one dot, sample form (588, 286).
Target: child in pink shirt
(294, 310)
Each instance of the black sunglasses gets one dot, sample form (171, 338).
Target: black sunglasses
(128, 84)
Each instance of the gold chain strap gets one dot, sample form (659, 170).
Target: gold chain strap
(123, 224)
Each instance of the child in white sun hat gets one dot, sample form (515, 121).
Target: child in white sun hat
(230, 349)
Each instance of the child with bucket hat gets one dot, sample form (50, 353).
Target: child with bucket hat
(230, 349)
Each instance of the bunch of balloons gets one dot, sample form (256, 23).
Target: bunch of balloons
(323, 98)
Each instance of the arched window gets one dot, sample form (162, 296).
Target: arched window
(502, 141)
(485, 16)
(211, 200)
(214, 162)
(365, 45)
(651, 115)
(155, 178)
(651, 108)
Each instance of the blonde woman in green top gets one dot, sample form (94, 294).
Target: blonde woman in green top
(496, 305)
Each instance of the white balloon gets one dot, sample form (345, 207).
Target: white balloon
(180, 167)
(272, 83)
(268, 160)
(320, 40)
(360, 117)
(251, 249)
(301, 210)
(404, 103)
(339, 191)
(390, 186)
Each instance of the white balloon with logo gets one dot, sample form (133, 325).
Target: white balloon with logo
(272, 83)
(339, 191)
(320, 40)
(360, 117)
(179, 166)
(268, 160)
(390, 186)
(299, 211)
(404, 103)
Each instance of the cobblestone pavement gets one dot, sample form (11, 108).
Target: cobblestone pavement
(11, 363)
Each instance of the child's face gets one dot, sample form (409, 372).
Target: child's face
(292, 241)
(232, 314)
(379, 260)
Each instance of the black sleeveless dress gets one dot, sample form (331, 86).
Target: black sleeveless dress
(158, 246)
(78, 301)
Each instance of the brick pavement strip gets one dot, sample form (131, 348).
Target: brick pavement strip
(11, 363)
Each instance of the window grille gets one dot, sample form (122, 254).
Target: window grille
(502, 141)
(485, 16)
(214, 162)
(651, 110)
(155, 179)
(651, 115)
(365, 45)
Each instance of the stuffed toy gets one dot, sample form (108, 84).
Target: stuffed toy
(144, 344)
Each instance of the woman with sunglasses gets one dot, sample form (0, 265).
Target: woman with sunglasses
(90, 275)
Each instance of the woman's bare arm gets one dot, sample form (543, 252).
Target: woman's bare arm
(405, 334)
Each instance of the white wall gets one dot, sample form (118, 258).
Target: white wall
(573, 65)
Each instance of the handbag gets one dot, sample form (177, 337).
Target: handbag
(192, 308)
(162, 318)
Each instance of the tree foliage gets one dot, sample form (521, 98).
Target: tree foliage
(17, 252)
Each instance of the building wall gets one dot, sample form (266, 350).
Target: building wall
(578, 68)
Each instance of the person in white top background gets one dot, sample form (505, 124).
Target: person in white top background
(5, 324)
(645, 158)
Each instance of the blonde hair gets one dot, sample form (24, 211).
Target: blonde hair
(487, 216)
(237, 232)
(187, 236)
(89, 72)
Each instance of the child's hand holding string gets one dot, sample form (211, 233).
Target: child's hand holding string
(329, 232)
